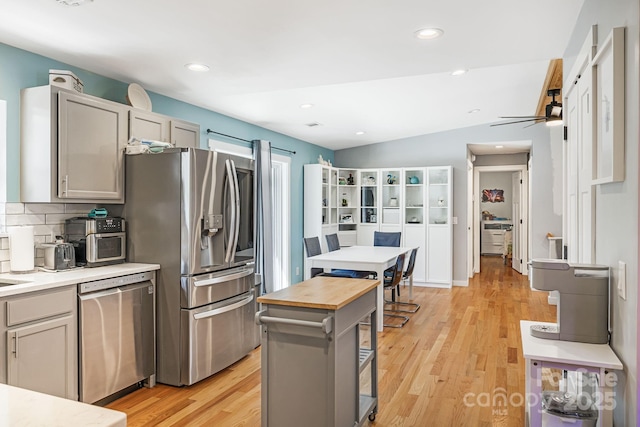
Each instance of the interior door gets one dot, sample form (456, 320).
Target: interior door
(516, 183)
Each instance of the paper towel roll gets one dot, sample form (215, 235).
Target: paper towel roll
(21, 249)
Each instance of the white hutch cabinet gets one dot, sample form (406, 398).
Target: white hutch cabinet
(356, 202)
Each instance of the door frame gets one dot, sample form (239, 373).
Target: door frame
(474, 197)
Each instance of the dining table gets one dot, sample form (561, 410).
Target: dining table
(363, 258)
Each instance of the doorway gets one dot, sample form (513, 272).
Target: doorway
(502, 206)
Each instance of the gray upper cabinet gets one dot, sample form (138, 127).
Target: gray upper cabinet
(147, 125)
(157, 127)
(185, 134)
(72, 147)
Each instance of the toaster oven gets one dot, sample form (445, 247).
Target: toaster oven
(97, 241)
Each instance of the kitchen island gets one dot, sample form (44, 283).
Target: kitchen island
(317, 368)
(26, 408)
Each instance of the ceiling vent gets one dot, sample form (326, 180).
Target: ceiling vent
(313, 124)
(73, 2)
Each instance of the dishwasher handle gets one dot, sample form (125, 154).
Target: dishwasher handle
(224, 309)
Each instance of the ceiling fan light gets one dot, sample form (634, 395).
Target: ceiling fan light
(554, 121)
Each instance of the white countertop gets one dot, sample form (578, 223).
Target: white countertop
(575, 353)
(40, 280)
(26, 408)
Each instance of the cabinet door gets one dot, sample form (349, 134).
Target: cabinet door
(91, 137)
(41, 357)
(143, 124)
(185, 134)
(414, 236)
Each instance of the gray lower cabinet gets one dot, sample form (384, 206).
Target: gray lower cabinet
(40, 348)
(319, 367)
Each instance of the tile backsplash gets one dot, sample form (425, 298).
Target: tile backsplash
(47, 220)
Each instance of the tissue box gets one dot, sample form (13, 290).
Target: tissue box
(65, 79)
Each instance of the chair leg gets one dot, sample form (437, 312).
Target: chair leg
(393, 301)
(405, 319)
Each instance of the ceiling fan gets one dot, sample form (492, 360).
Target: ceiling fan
(552, 117)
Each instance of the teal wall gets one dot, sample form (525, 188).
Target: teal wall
(20, 69)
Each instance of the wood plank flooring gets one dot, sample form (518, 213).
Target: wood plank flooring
(458, 362)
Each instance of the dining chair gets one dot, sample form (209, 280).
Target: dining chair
(382, 238)
(392, 282)
(405, 276)
(333, 243)
(312, 245)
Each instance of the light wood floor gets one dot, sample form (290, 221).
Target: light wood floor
(458, 362)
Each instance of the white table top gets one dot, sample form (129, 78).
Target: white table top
(574, 353)
(25, 408)
(360, 254)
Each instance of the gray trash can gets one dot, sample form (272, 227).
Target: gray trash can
(560, 409)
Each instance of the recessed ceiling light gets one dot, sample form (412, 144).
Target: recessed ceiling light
(73, 2)
(429, 33)
(499, 146)
(475, 110)
(197, 67)
(306, 105)
(360, 132)
(458, 72)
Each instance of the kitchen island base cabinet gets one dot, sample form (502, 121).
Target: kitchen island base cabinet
(312, 361)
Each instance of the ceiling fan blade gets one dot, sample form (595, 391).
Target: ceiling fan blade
(518, 121)
(522, 117)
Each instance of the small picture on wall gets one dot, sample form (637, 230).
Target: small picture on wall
(492, 196)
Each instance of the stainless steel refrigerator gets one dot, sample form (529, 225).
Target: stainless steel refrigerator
(192, 211)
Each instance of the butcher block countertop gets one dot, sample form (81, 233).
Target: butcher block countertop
(330, 293)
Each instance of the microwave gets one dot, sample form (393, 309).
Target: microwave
(97, 241)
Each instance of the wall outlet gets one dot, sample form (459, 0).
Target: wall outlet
(454, 220)
(622, 280)
(297, 271)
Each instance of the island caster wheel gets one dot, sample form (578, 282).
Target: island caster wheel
(372, 416)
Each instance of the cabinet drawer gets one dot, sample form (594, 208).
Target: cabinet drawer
(496, 234)
(40, 306)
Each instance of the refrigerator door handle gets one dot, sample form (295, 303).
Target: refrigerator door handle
(236, 199)
(232, 227)
(213, 281)
(224, 309)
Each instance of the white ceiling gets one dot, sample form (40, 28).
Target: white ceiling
(357, 61)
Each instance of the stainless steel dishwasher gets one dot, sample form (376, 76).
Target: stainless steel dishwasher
(116, 335)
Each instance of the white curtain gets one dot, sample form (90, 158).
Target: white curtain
(264, 220)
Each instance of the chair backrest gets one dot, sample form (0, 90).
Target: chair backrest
(412, 262)
(312, 246)
(333, 243)
(396, 278)
(381, 238)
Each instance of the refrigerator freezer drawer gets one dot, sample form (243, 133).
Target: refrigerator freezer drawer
(216, 336)
(213, 287)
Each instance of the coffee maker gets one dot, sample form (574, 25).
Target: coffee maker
(583, 301)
